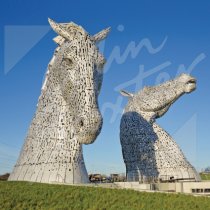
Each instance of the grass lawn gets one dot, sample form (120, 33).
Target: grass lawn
(26, 196)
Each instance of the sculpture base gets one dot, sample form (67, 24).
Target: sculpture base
(163, 174)
(46, 173)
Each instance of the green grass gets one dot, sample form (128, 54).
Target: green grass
(205, 176)
(28, 196)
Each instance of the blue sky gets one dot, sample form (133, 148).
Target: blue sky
(173, 37)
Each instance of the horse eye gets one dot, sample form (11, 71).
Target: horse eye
(68, 61)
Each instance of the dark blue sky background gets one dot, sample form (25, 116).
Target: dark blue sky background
(185, 27)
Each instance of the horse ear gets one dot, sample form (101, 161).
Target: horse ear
(126, 94)
(59, 29)
(101, 35)
(59, 40)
